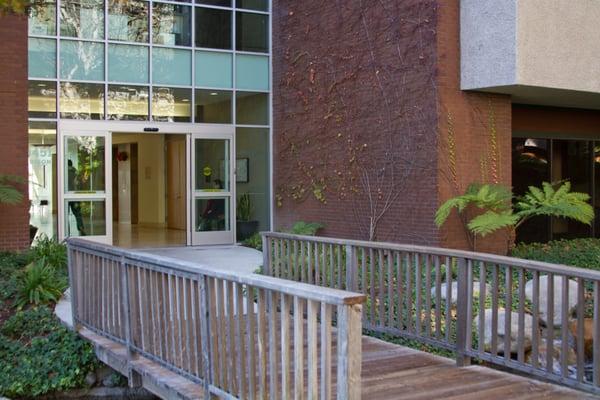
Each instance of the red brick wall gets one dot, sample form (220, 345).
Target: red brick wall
(355, 107)
(14, 226)
(481, 126)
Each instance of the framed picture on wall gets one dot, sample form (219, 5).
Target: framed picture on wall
(241, 167)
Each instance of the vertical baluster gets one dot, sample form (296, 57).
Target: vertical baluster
(508, 312)
(418, 290)
(298, 348)
(427, 295)
(154, 314)
(252, 362)
(177, 321)
(495, 289)
(302, 267)
(311, 270)
(340, 251)
(399, 288)
(331, 267)
(409, 310)
(141, 298)
(196, 332)
(286, 387)
(290, 265)
(317, 264)
(233, 355)
(372, 287)
(239, 339)
(550, 326)
(206, 321)
(313, 384)
(565, 327)
(390, 288)
(215, 328)
(521, 328)
(448, 298)
(381, 289)
(262, 345)
(482, 296)
(580, 329)
(273, 334)
(325, 351)
(535, 335)
(596, 334)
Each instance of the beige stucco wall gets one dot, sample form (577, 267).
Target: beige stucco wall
(558, 44)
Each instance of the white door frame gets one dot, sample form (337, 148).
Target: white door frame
(85, 127)
(217, 237)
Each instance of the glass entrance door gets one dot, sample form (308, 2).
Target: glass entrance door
(86, 209)
(213, 200)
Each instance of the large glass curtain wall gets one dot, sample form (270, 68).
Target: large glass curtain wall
(206, 61)
(537, 160)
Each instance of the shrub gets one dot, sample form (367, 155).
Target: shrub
(306, 228)
(254, 241)
(39, 284)
(583, 253)
(10, 265)
(53, 251)
(39, 356)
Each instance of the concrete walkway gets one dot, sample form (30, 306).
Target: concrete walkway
(243, 260)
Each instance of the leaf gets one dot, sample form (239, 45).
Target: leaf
(491, 221)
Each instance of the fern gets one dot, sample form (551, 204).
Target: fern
(491, 221)
(8, 193)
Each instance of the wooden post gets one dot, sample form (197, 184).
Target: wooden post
(134, 378)
(266, 250)
(73, 289)
(463, 325)
(351, 268)
(205, 335)
(349, 352)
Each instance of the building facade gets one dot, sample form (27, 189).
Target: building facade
(151, 121)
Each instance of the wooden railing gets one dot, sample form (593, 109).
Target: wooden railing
(238, 335)
(534, 317)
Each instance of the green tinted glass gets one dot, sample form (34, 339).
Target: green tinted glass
(252, 72)
(127, 63)
(214, 69)
(171, 66)
(81, 60)
(42, 58)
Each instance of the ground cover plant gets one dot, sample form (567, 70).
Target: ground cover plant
(38, 355)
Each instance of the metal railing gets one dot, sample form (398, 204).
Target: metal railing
(539, 318)
(238, 335)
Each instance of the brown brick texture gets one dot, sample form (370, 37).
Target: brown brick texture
(362, 94)
(14, 226)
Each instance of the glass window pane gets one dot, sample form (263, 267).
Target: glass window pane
(252, 72)
(252, 108)
(212, 165)
(222, 3)
(81, 60)
(85, 218)
(214, 69)
(128, 20)
(171, 25)
(42, 18)
(212, 215)
(42, 178)
(252, 178)
(42, 58)
(213, 28)
(42, 99)
(81, 100)
(82, 19)
(128, 102)
(252, 32)
(127, 63)
(171, 104)
(260, 5)
(84, 164)
(213, 106)
(171, 66)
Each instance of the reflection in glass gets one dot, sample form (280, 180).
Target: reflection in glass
(42, 18)
(171, 104)
(213, 106)
(41, 58)
(212, 165)
(82, 19)
(81, 60)
(84, 164)
(260, 5)
(171, 24)
(128, 103)
(252, 32)
(213, 28)
(42, 99)
(85, 218)
(212, 215)
(128, 20)
(42, 177)
(81, 100)
(252, 108)
(127, 63)
(252, 144)
(214, 69)
(171, 66)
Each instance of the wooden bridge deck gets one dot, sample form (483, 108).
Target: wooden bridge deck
(389, 371)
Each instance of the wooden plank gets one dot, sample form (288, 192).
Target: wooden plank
(596, 334)
(240, 342)
(272, 343)
(205, 321)
(438, 299)
(535, 335)
(564, 354)
(521, 311)
(262, 342)
(580, 343)
(495, 290)
(381, 289)
(298, 348)
(325, 323)
(286, 387)
(312, 343)
(508, 312)
(349, 352)
(418, 294)
(550, 325)
(427, 296)
(252, 362)
(482, 296)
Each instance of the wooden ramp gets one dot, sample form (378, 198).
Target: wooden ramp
(389, 371)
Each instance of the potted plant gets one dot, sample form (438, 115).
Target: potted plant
(246, 227)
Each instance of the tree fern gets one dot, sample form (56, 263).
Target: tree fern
(491, 221)
(8, 193)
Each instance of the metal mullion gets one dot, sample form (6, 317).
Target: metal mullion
(34, 36)
(209, 49)
(106, 60)
(78, 39)
(253, 126)
(150, 57)
(213, 6)
(193, 66)
(254, 53)
(270, 101)
(164, 46)
(234, 68)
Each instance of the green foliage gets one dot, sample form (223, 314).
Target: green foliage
(9, 194)
(501, 213)
(583, 253)
(39, 284)
(244, 208)
(14, 6)
(52, 251)
(10, 265)
(39, 356)
(306, 228)
(254, 241)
